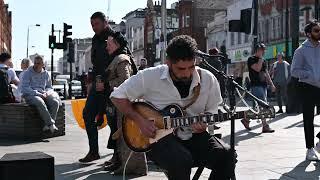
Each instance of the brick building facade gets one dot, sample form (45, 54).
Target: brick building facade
(152, 30)
(194, 16)
(5, 27)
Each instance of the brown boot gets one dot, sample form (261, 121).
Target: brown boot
(246, 123)
(267, 129)
(113, 163)
(90, 157)
(113, 159)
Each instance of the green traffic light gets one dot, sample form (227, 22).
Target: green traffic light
(52, 45)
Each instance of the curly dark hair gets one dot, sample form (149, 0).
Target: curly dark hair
(181, 47)
(310, 25)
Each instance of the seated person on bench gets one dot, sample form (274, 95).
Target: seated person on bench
(36, 89)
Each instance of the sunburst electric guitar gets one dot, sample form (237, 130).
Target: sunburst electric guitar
(170, 118)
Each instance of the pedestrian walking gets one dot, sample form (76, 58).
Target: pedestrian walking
(306, 67)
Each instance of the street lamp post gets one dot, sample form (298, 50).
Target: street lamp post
(287, 31)
(28, 37)
(163, 30)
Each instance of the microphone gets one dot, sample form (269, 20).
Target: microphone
(205, 55)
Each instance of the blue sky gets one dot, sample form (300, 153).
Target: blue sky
(47, 12)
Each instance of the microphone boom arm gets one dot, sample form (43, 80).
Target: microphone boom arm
(222, 74)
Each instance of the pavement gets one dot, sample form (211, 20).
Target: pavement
(280, 155)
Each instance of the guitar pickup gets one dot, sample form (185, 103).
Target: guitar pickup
(167, 122)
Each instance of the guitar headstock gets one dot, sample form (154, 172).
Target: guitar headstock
(263, 113)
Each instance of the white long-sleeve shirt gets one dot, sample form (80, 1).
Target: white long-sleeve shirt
(156, 86)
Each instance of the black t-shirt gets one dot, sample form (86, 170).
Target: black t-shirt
(257, 78)
(183, 88)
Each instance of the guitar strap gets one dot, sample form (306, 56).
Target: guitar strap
(196, 93)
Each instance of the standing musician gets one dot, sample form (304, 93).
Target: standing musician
(174, 83)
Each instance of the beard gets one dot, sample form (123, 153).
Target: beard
(315, 37)
(184, 80)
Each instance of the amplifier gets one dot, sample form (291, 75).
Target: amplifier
(29, 165)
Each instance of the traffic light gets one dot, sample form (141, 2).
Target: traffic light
(70, 56)
(226, 59)
(52, 42)
(66, 33)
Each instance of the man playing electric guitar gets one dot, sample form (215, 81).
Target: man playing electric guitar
(176, 83)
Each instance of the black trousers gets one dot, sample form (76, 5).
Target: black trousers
(281, 93)
(178, 156)
(310, 96)
(96, 104)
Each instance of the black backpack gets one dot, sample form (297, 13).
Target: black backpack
(6, 95)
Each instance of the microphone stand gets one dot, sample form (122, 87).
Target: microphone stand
(231, 86)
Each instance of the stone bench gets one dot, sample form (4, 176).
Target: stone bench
(22, 121)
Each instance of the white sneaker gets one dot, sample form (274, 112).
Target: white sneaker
(45, 128)
(53, 128)
(317, 148)
(311, 155)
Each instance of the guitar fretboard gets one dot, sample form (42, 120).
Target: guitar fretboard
(205, 118)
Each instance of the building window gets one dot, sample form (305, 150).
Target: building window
(301, 13)
(246, 38)
(273, 35)
(131, 46)
(169, 22)
(131, 32)
(267, 30)
(260, 31)
(232, 39)
(182, 21)
(187, 19)
(140, 45)
(279, 29)
(135, 45)
(239, 38)
(301, 24)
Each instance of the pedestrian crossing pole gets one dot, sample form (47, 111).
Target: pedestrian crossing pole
(295, 9)
(287, 30)
(255, 8)
(316, 9)
(52, 50)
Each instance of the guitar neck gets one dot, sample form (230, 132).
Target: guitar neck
(204, 118)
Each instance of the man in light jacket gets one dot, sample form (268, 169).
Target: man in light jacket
(306, 67)
(37, 90)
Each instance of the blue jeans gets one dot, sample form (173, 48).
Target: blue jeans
(260, 92)
(47, 108)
